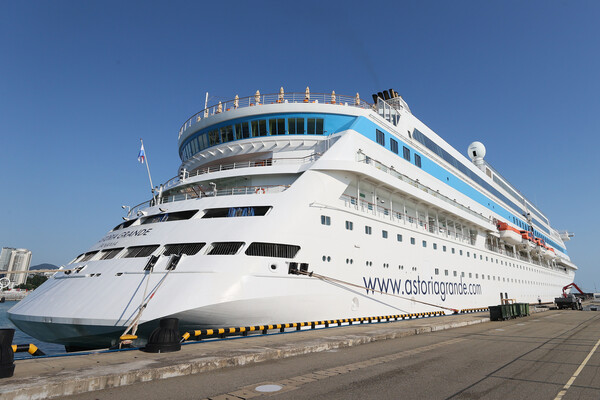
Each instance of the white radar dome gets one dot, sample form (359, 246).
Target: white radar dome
(476, 151)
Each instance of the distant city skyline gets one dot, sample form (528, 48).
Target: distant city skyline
(82, 82)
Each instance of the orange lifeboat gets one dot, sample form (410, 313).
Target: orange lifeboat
(508, 233)
(527, 242)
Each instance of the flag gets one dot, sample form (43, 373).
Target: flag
(142, 155)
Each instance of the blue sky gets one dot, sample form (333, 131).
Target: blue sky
(81, 82)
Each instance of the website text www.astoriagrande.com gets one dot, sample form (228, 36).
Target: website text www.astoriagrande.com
(421, 287)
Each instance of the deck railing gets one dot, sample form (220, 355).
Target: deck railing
(361, 157)
(199, 193)
(275, 98)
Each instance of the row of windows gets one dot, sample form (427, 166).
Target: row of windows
(380, 138)
(255, 128)
(326, 220)
(259, 249)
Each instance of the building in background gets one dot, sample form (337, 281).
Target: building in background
(12, 259)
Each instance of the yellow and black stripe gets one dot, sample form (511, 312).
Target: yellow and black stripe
(473, 310)
(222, 332)
(30, 348)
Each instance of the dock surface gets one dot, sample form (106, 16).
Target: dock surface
(534, 357)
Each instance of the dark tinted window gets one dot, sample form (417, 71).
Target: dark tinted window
(174, 216)
(406, 153)
(228, 212)
(394, 146)
(380, 137)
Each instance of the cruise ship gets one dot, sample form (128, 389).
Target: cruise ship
(292, 207)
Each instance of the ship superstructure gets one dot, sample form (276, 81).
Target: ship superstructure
(365, 194)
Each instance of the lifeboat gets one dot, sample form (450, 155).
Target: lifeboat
(540, 247)
(549, 254)
(509, 234)
(527, 242)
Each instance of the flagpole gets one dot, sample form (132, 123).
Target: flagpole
(147, 166)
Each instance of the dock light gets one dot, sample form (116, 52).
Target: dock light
(126, 208)
(142, 213)
(162, 209)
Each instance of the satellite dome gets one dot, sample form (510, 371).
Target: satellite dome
(476, 151)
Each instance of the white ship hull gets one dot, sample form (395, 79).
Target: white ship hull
(441, 263)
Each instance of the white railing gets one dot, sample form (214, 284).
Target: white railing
(198, 193)
(398, 217)
(275, 98)
(361, 157)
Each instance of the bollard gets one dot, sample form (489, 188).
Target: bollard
(7, 357)
(165, 338)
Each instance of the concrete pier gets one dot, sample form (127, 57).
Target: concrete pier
(57, 377)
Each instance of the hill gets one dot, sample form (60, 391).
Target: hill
(43, 266)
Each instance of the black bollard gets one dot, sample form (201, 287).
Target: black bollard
(7, 357)
(165, 338)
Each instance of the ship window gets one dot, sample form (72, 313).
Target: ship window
(109, 253)
(446, 272)
(140, 251)
(368, 230)
(399, 237)
(272, 250)
(424, 243)
(435, 246)
(406, 153)
(224, 248)
(296, 126)
(437, 271)
(454, 273)
(124, 224)
(227, 133)
(468, 254)
(174, 216)
(277, 126)
(418, 160)
(315, 126)
(380, 137)
(242, 131)
(349, 225)
(444, 248)
(453, 251)
(229, 212)
(394, 146)
(88, 256)
(384, 234)
(412, 240)
(214, 137)
(183, 248)
(259, 128)
(203, 141)
(325, 220)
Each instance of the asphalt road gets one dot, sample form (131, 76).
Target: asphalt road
(550, 355)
